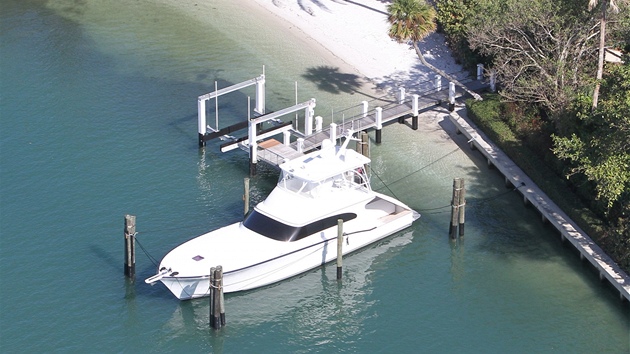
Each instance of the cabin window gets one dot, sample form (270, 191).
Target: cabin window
(276, 230)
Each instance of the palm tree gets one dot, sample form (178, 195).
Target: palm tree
(413, 20)
(602, 40)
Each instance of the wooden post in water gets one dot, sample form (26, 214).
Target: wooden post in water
(414, 112)
(462, 206)
(379, 124)
(339, 248)
(246, 197)
(218, 276)
(130, 246)
(454, 210)
(211, 293)
(217, 307)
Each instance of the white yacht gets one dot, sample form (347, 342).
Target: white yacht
(293, 230)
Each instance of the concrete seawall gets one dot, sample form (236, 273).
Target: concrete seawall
(549, 211)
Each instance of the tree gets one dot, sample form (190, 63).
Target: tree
(413, 20)
(605, 5)
(452, 17)
(599, 148)
(538, 48)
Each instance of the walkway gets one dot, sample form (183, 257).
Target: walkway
(569, 230)
(383, 111)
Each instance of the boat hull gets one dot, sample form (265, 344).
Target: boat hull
(289, 264)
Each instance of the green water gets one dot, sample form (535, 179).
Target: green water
(98, 111)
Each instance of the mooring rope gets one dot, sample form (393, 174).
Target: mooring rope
(410, 174)
(151, 258)
(473, 201)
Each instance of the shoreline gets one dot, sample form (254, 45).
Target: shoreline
(355, 33)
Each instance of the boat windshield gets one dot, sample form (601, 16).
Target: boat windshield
(353, 179)
(277, 230)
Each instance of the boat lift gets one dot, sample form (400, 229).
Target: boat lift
(255, 134)
(201, 108)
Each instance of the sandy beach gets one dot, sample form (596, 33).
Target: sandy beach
(355, 32)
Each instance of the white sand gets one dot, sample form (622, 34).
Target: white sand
(355, 31)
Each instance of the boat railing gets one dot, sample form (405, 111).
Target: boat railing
(271, 157)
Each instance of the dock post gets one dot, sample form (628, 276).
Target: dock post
(414, 112)
(365, 141)
(462, 206)
(130, 246)
(253, 149)
(479, 72)
(211, 297)
(218, 278)
(252, 161)
(286, 138)
(379, 123)
(438, 83)
(333, 133)
(365, 108)
(260, 95)
(493, 80)
(300, 144)
(339, 248)
(201, 121)
(308, 122)
(454, 210)
(451, 96)
(246, 197)
(217, 305)
(318, 123)
(401, 97)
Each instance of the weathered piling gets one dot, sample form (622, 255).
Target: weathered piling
(218, 278)
(130, 246)
(462, 206)
(339, 248)
(211, 296)
(217, 306)
(452, 230)
(246, 197)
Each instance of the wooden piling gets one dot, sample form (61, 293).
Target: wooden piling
(454, 210)
(218, 276)
(414, 122)
(211, 296)
(217, 303)
(246, 197)
(339, 248)
(462, 206)
(130, 246)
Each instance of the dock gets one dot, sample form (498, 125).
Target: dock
(262, 144)
(549, 211)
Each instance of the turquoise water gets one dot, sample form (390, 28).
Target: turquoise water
(98, 111)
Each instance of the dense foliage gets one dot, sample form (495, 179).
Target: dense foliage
(545, 56)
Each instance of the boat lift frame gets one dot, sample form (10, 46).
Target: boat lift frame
(201, 108)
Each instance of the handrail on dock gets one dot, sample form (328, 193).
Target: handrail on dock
(372, 114)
